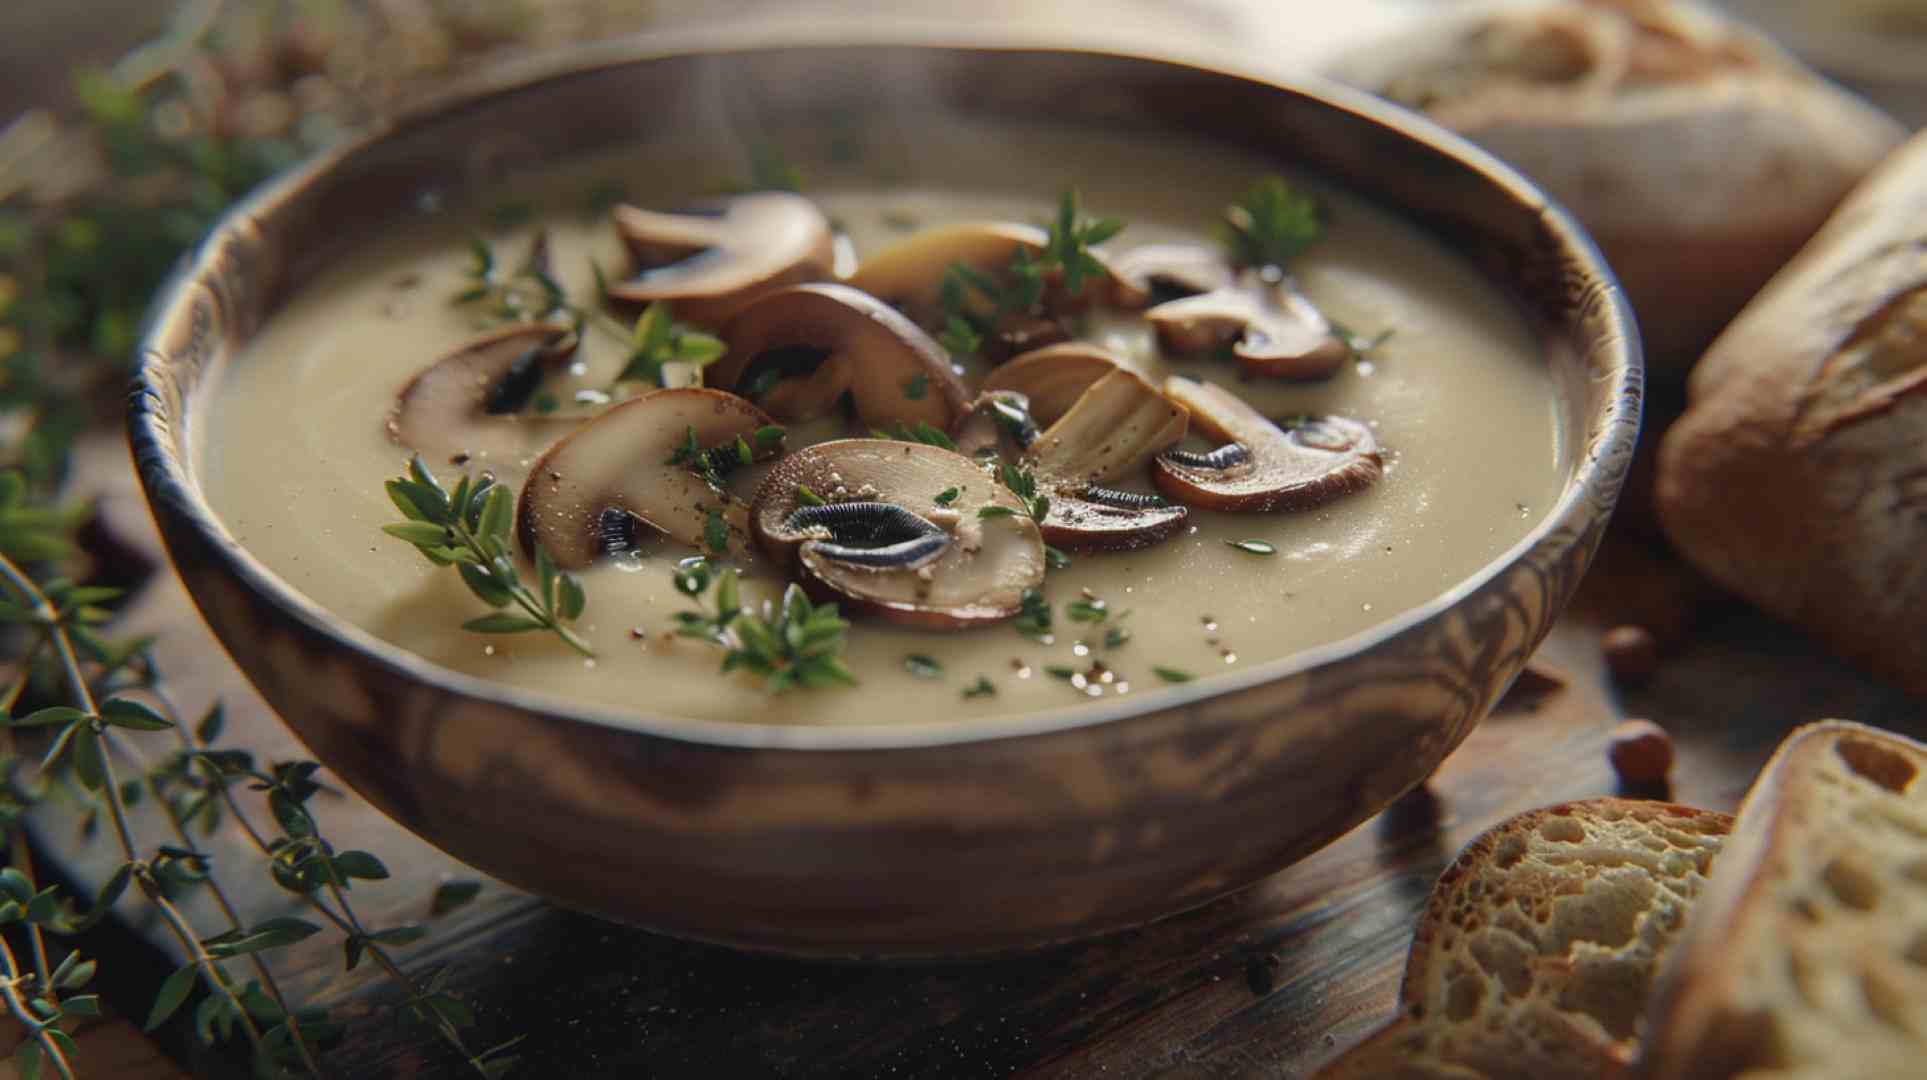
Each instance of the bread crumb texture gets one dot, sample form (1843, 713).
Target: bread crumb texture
(1536, 952)
(1809, 958)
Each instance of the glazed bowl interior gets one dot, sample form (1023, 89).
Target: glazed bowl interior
(921, 838)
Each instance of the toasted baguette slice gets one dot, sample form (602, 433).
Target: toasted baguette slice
(1807, 957)
(1535, 953)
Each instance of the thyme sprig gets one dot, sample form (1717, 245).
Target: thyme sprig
(1022, 483)
(789, 645)
(713, 464)
(1271, 225)
(974, 303)
(658, 340)
(469, 530)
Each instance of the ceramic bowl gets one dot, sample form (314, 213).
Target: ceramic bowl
(937, 839)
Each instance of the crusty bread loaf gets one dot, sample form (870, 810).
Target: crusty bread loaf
(1698, 154)
(1807, 955)
(1535, 952)
(1798, 475)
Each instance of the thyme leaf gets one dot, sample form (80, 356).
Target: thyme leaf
(789, 645)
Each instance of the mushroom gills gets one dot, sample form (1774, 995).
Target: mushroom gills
(874, 534)
(945, 567)
(466, 406)
(1115, 427)
(1223, 457)
(592, 490)
(826, 341)
(1263, 466)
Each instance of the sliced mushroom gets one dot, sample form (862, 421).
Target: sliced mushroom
(1053, 378)
(909, 275)
(1160, 273)
(1113, 429)
(468, 406)
(1263, 466)
(1271, 326)
(712, 260)
(883, 544)
(584, 494)
(825, 341)
(997, 425)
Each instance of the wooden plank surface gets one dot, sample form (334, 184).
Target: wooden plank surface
(1265, 983)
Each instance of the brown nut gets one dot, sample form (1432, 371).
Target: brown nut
(1641, 752)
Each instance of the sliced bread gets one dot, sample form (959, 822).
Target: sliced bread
(1535, 953)
(1807, 956)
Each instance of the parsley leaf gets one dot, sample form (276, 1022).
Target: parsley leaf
(1271, 225)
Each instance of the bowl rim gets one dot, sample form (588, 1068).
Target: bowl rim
(164, 473)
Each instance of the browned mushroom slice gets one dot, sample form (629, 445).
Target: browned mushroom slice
(1159, 273)
(1053, 378)
(1113, 429)
(909, 275)
(997, 425)
(711, 261)
(820, 342)
(632, 464)
(1272, 328)
(467, 407)
(882, 544)
(1262, 466)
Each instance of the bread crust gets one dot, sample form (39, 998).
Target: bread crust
(1534, 952)
(1698, 154)
(1798, 475)
(1806, 956)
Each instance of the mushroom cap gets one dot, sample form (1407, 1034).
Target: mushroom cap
(1117, 425)
(979, 575)
(452, 409)
(909, 274)
(893, 370)
(712, 260)
(1158, 273)
(1263, 466)
(621, 461)
(1053, 378)
(1274, 330)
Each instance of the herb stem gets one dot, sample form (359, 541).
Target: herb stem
(18, 854)
(524, 598)
(56, 632)
(347, 922)
(37, 1027)
(189, 746)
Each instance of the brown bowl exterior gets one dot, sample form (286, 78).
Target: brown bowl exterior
(942, 839)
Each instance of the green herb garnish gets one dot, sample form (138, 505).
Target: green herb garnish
(923, 667)
(1068, 248)
(916, 387)
(983, 687)
(1060, 672)
(922, 432)
(947, 496)
(1173, 675)
(1115, 636)
(1271, 225)
(1254, 547)
(714, 464)
(469, 530)
(791, 645)
(1087, 610)
(806, 497)
(658, 340)
(1023, 484)
(1033, 617)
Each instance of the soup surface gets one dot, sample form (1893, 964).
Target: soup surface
(295, 448)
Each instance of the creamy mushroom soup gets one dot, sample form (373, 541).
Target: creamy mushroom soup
(1342, 441)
